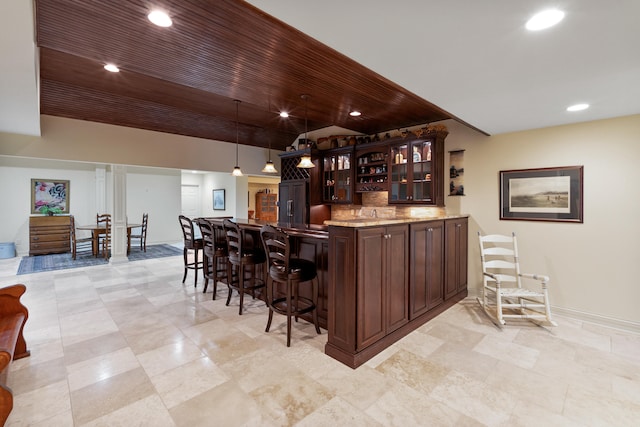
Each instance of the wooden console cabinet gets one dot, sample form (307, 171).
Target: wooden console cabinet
(266, 206)
(49, 235)
(386, 281)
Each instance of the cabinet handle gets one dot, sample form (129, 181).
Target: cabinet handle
(289, 207)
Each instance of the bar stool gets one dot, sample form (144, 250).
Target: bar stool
(292, 272)
(214, 259)
(190, 243)
(240, 257)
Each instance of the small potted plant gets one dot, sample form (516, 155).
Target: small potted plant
(50, 210)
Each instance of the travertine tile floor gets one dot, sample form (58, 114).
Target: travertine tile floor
(130, 345)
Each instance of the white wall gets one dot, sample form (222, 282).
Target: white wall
(592, 265)
(68, 139)
(156, 191)
(16, 191)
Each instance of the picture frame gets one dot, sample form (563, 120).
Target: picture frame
(218, 200)
(543, 194)
(49, 193)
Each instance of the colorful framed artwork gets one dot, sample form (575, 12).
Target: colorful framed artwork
(49, 196)
(546, 194)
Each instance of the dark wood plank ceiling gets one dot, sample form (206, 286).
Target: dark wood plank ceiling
(184, 79)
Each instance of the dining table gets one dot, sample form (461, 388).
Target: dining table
(99, 229)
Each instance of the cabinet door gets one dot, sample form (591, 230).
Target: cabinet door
(383, 286)
(426, 285)
(337, 176)
(397, 277)
(371, 286)
(456, 256)
(293, 207)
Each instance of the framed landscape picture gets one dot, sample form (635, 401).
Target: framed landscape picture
(546, 194)
(49, 194)
(218, 200)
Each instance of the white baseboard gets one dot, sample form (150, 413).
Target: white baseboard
(609, 322)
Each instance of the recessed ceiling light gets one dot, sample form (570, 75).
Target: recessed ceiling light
(112, 68)
(544, 19)
(578, 107)
(159, 18)
(355, 113)
(284, 114)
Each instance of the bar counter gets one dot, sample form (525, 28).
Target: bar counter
(310, 242)
(380, 278)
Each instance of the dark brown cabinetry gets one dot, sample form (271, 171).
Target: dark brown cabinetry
(300, 192)
(416, 169)
(427, 267)
(49, 234)
(371, 168)
(293, 206)
(456, 235)
(266, 209)
(338, 176)
(382, 282)
(386, 281)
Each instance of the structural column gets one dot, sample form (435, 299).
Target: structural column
(119, 215)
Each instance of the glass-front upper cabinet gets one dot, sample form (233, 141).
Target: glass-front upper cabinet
(411, 172)
(337, 175)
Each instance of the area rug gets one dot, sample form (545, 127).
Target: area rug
(38, 263)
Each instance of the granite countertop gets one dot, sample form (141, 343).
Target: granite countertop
(369, 222)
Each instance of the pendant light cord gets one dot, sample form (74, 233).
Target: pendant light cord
(237, 130)
(306, 102)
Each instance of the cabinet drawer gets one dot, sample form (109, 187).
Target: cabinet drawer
(49, 230)
(57, 237)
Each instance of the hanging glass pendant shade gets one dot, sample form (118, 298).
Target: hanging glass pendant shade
(305, 161)
(269, 167)
(236, 170)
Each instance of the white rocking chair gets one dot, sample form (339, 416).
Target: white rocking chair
(503, 296)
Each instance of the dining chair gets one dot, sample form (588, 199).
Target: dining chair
(191, 244)
(106, 240)
(79, 244)
(103, 220)
(142, 234)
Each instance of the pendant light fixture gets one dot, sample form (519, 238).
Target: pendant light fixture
(305, 160)
(236, 169)
(269, 166)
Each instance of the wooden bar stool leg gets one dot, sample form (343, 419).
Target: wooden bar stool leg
(289, 314)
(229, 281)
(314, 313)
(269, 298)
